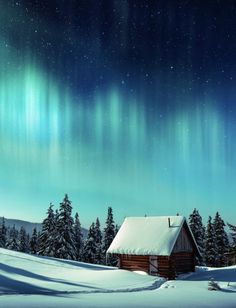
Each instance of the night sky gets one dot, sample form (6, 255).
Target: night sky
(124, 103)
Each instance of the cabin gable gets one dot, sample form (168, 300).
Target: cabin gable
(183, 242)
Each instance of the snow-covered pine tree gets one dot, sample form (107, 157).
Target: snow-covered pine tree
(116, 229)
(233, 235)
(98, 242)
(198, 230)
(27, 242)
(65, 233)
(38, 234)
(78, 238)
(47, 237)
(210, 245)
(3, 234)
(13, 239)
(23, 240)
(89, 251)
(222, 242)
(55, 235)
(34, 242)
(109, 234)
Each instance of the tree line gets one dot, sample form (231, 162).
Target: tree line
(61, 237)
(212, 239)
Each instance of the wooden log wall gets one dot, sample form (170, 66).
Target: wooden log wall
(134, 263)
(141, 263)
(164, 267)
(183, 262)
(168, 267)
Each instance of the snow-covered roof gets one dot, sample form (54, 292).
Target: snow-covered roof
(147, 235)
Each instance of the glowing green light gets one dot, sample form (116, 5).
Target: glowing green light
(105, 150)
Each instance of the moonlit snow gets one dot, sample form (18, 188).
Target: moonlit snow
(30, 281)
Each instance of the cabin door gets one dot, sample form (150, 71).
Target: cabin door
(153, 265)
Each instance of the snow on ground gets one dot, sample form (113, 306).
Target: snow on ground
(29, 281)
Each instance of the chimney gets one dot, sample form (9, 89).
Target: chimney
(169, 221)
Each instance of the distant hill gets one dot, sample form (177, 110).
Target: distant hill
(29, 226)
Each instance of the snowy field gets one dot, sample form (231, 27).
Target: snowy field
(28, 281)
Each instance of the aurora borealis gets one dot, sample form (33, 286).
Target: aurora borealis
(122, 103)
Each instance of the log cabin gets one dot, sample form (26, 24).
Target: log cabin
(162, 245)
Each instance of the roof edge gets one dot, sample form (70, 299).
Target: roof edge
(177, 234)
(195, 243)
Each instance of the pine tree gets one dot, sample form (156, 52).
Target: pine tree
(210, 245)
(13, 239)
(65, 232)
(233, 232)
(198, 230)
(221, 238)
(233, 235)
(109, 234)
(78, 238)
(98, 242)
(27, 242)
(39, 235)
(89, 252)
(48, 237)
(34, 242)
(3, 234)
(56, 233)
(116, 229)
(22, 240)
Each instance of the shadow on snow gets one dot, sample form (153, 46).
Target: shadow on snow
(224, 275)
(21, 287)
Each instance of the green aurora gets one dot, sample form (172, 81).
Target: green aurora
(103, 151)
